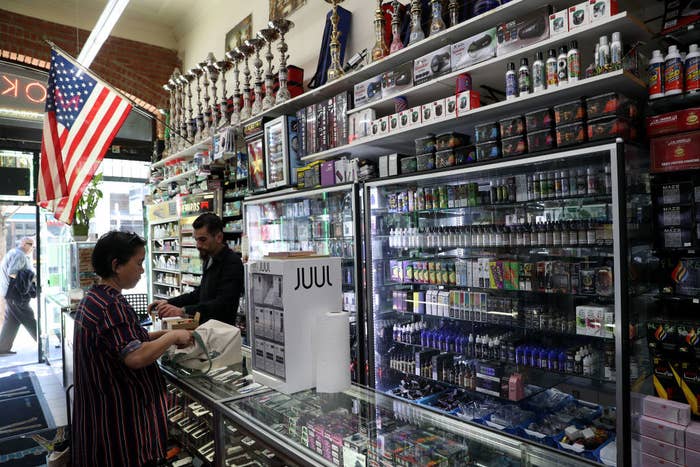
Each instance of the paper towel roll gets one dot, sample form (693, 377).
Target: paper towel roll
(332, 349)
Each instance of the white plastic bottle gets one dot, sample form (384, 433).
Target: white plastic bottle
(616, 50)
(539, 75)
(655, 73)
(673, 72)
(692, 69)
(603, 52)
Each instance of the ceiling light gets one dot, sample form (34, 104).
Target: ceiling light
(109, 17)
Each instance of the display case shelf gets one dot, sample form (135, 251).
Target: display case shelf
(402, 141)
(185, 154)
(166, 238)
(422, 286)
(164, 221)
(177, 178)
(491, 71)
(171, 271)
(163, 284)
(164, 252)
(165, 297)
(588, 251)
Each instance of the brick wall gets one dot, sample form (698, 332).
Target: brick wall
(137, 68)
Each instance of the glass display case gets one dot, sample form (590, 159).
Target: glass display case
(282, 151)
(499, 294)
(323, 221)
(191, 265)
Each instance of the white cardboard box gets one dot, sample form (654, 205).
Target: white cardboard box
(559, 23)
(578, 16)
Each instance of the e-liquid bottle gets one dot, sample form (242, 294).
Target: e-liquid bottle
(511, 82)
(551, 68)
(616, 50)
(573, 59)
(539, 73)
(524, 82)
(562, 65)
(673, 71)
(655, 73)
(603, 52)
(692, 69)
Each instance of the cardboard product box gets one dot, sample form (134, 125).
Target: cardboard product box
(523, 31)
(312, 175)
(450, 107)
(341, 104)
(426, 113)
(660, 430)
(301, 138)
(432, 65)
(368, 91)
(663, 450)
(675, 152)
(383, 166)
(396, 81)
(674, 122)
(380, 126)
(474, 49)
(467, 101)
(416, 116)
(670, 411)
(328, 173)
(559, 23)
(439, 110)
(405, 119)
(578, 16)
(692, 457)
(393, 123)
(393, 167)
(601, 9)
(689, 283)
(692, 436)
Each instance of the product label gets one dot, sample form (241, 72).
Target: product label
(552, 79)
(574, 65)
(656, 82)
(524, 81)
(539, 77)
(511, 85)
(562, 72)
(692, 74)
(673, 75)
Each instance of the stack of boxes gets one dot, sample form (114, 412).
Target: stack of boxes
(667, 436)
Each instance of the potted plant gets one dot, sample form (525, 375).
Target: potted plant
(85, 209)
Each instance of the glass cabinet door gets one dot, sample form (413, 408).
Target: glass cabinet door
(495, 294)
(276, 153)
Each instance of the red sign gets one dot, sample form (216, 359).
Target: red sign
(675, 152)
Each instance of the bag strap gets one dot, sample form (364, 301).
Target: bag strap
(192, 373)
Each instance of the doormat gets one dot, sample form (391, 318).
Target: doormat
(22, 415)
(30, 450)
(20, 384)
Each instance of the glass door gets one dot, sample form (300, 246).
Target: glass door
(497, 296)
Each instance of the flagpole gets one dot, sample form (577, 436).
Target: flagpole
(135, 106)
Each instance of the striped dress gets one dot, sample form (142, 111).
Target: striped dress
(119, 414)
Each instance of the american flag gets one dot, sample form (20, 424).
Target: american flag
(82, 116)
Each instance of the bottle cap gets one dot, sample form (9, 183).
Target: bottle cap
(552, 53)
(563, 50)
(603, 40)
(656, 53)
(523, 62)
(692, 48)
(540, 56)
(573, 44)
(511, 66)
(672, 49)
(616, 37)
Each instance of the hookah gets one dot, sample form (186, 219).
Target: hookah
(380, 49)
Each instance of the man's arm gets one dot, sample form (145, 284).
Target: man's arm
(229, 284)
(189, 298)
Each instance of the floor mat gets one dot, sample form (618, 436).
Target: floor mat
(23, 415)
(29, 450)
(20, 384)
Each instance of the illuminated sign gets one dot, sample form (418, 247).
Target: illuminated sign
(22, 88)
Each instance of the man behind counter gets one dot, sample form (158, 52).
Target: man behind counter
(218, 293)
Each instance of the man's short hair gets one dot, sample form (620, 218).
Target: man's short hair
(24, 240)
(211, 221)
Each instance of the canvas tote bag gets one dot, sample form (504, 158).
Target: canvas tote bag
(216, 345)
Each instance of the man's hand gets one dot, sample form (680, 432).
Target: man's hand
(183, 338)
(155, 304)
(166, 310)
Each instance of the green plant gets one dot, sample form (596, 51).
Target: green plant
(85, 209)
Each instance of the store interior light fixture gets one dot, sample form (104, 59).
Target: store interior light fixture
(109, 17)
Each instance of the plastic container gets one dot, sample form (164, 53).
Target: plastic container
(570, 112)
(488, 151)
(425, 162)
(542, 140)
(450, 140)
(514, 146)
(574, 133)
(609, 127)
(513, 126)
(655, 71)
(425, 144)
(692, 69)
(609, 104)
(445, 158)
(673, 72)
(486, 132)
(539, 119)
(408, 164)
(465, 155)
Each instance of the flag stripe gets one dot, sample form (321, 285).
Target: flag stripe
(50, 167)
(91, 109)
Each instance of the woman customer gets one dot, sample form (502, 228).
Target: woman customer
(119, 408)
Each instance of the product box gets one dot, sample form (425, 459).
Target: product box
(663, 450)
(396, 81)
(660, 430)
(523, 31)
(438, 109)
(393, 167)
(559, 23)
(328, 173)
(676, 152)
(405, 119)
(674, 122)
(416, 115)
(380, 126)
(692, 457)
(368, 91)
(393, 123)
(467, 101)
(692, 436)
(360, 124)
(383, 166)
(688, 277)
(432, 65)
(578, 16)
(474, 49)
(601, 9)
(427, 113)
(649, 460)
(450, 107)
(670, 411)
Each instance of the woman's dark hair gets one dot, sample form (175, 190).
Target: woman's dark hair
(113, 245)
(209, 220)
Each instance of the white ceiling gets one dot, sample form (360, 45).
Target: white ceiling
(151, 21)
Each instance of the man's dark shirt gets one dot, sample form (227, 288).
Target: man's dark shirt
(218, 293)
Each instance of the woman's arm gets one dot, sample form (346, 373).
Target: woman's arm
(156, 334)
(150, 351)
